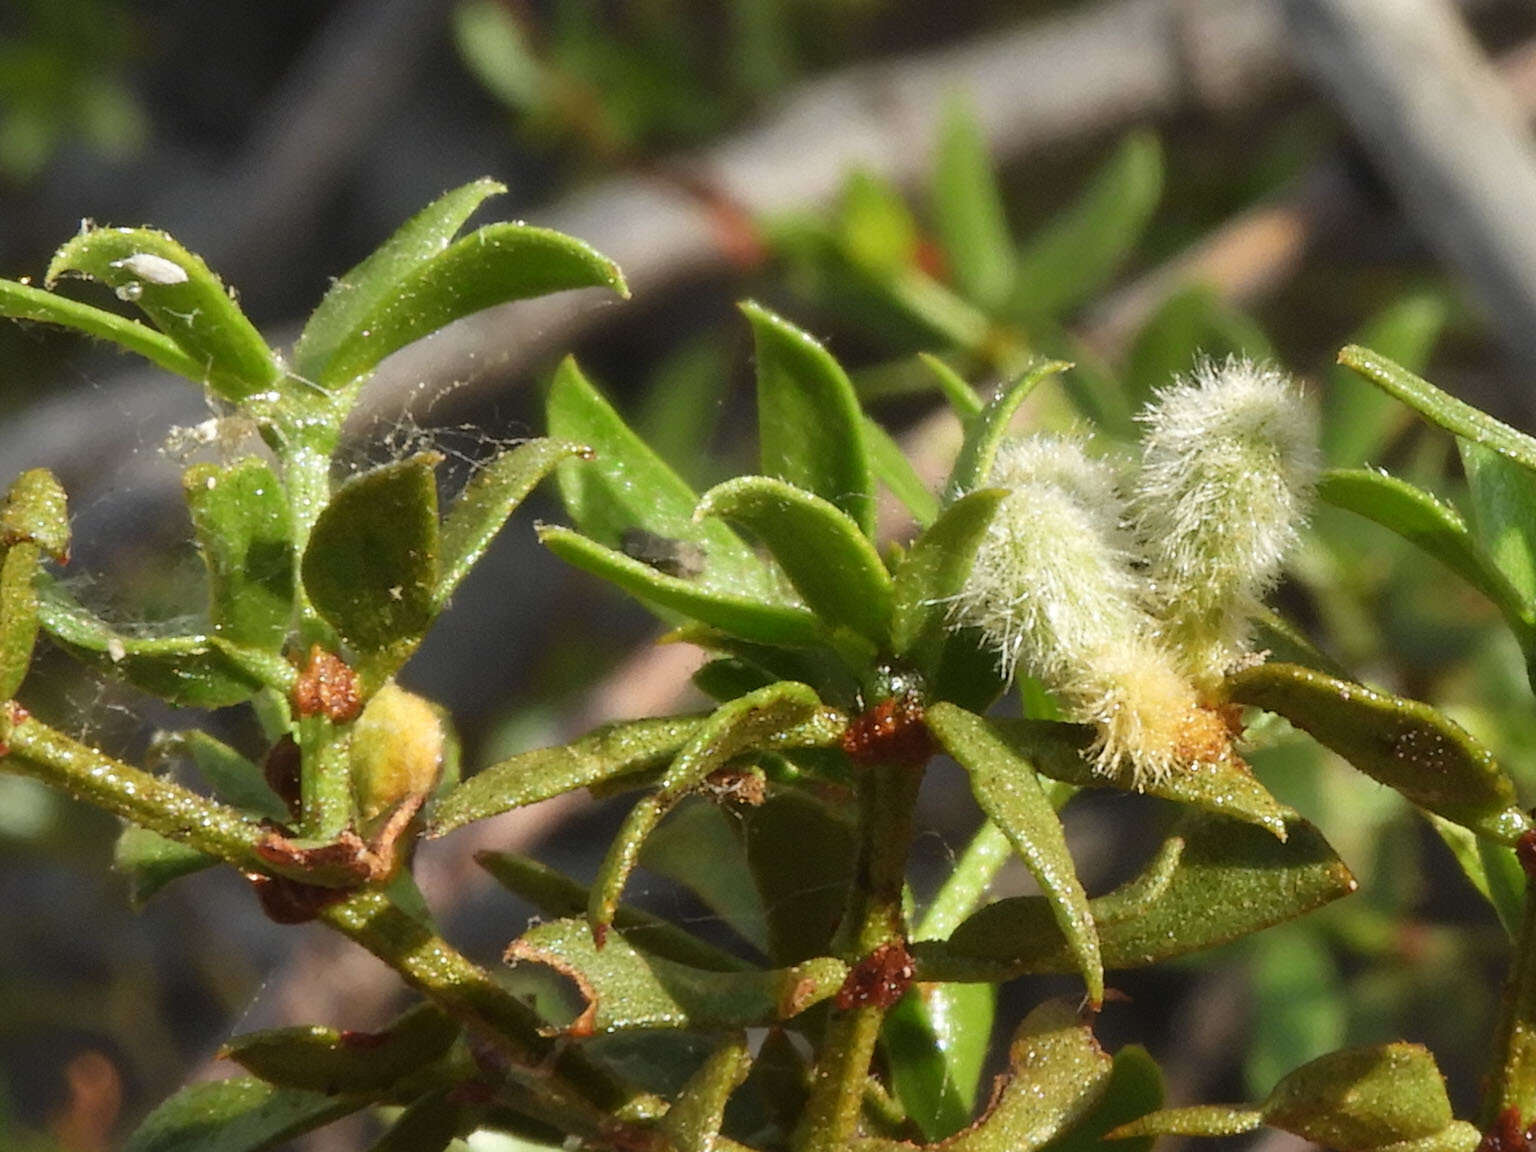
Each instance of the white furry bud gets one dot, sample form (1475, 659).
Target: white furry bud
(1053, 591)
(1228, 462)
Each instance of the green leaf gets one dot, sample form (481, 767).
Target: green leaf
(745, 616)
(18, 614)
(936, 1042)
(810, 427)
(693, 1123)
(150, 862)
(745, 724)
(23, 302)
(1504, 512)
(802, 854)
(316, 1059)
(613, 751)
(1362, 1098)
(1077, 253)
(831, 564)
(968, 210)
(1189, 324)
(37, 511)
(1439, 408)
(240, 518)
(1224, 788)
(985, 433)
(875, 229)
(625, 989)
(1434, 527)
(1199, 1120)
(1135, 1089)
(235, 779)
(961, 397)
(1009, 793)
(488, 501)
(371, 565)
(1493, 870)
(626, 486)
(1299, 1005)
(181, 297)
(1215, 881)
(431, 1124)
(241, 1114)
(1358, 420)
(895, 471)
(352, 298)
(191, 670)
(492, 265)
(699, 848)
(1401, 743)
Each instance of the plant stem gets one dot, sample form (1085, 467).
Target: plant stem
(1512, 1081)
(984, 856)
(326, 786)
(887, 801)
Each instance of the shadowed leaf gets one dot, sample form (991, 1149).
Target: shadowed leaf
(240, 517)
(241, 1114)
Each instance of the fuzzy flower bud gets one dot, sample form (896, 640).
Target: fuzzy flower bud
(1053, 592)
(1228, 462)
(396, 753)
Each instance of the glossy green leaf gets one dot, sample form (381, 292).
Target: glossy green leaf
(23, 302)
(625, 486)
(810, 427)
(492, 265)
(1078, 252)
(36, 510)
(1198, 1120)
(1298, 1004)
(150, 862)
(930, 575)
(1009, 793)
(968, 210)
(747, 723)
(1135, 1089)
(371, 565)
(1215, 881)
(895, 471)
(610, 752)
(625, 989)
(936, 1042)
(831, 564)
(317, 1059)
(700, 848)
(1401, 743)
(1358, 420)
(241, 1114)
(1504, 513)
(18, 614)
(192, 670)
(240, 518)
(1189, 324)
(181, 297)
(1436, 528)
(355, 296)
(1438, 407)
(1362, 1098)
(741, 615)
(987, 431)
(801, 853)
(486, 503)
(232, 777)
(693, 1123)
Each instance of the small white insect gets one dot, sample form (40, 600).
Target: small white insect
(152, 269)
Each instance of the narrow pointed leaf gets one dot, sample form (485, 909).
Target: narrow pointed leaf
(741, 615)
(625, 486)
(895, 471)
(24, 302)
(1359, 420)
(987, 431)
(493, 265)
(1493, 869)
(240, 518)
(1081, 249)
(968, 210)
(960, 396)
(625, 989)
(36, 510)
(1009, 793)
(18, 614)
(810, 427)
(1135, 1090)
(693, 1123)
(802, 854)
(1199, 1120)
(351, 299)
(1504, 512)
(371, 566)
(700, 847)
(930, 575)
(1361, 1098)
(1401, 743)
(150, 862)
(241, 1114)
(936, 1042)
(486, 503)
(235, 779)
(831, 564)
(181, 297)
(611, 752)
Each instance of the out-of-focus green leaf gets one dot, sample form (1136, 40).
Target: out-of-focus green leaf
(1284, 641)
(746, 616)
(612, 751)
(1189, 324)
(961, 396)
(698, 848)
(1075, 255)
(1135, 1089)
(1009, 793)
(693, 1122)
(241, 1114)
(827, 558)
(496, 51)
(352, 298)
(801, 853)
(625, 989)
(487, 501)
(18, 614)
(150, 862)
(371, 565)
(240, 516)
(968, 211)
(492, 265)
(23, 302)
(986, 432)
(895, 471)
(683, 403)
(626, 486)
(182, 297)
(810, 427)
(1358, 420)
(1299, 1005)
(936, 1042)
(1436, 528)
(316, 1059)
(1504, 512)
(874, 226)
(1402, 743)
(430, 1124)
(37, 511)
(1362, 1098)
(1215, 881)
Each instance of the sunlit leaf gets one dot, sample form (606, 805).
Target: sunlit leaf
(968, 210)
(987, 431)
(936, 1043)
(960, 396)
(1361, 1098)
(23, 302)
(1504, 511)
(240, 518)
